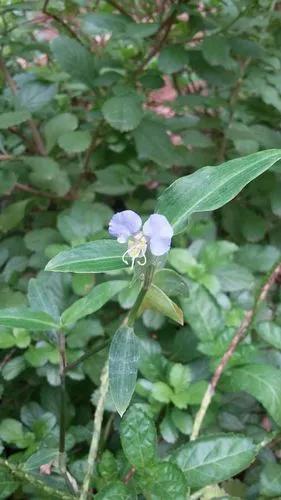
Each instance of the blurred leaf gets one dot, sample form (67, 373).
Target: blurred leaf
(123, 113)
(95, 299)
(270, 480)
(57, 126)
(13, 368)
(138, 438)
(75, 59)
(262, 382)
(157, 300)
(123, 367)
(114, 491)
(75, 142)
(172, 59)
(270, 333)
(8, 483)
(164, 480)
(12, 215)
(26, 318)
(13, 118)
(34, 95)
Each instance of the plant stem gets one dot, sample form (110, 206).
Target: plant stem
(96, 434)
(146, 284)
(34, 481)
(239, 335)
(62, 457)
(96, 349)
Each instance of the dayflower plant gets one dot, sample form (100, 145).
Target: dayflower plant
(156, 234)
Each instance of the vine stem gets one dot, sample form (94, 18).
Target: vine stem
(239, 335)
(96, 434)
(62, 458)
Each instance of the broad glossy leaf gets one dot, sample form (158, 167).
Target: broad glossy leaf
(262, 382)
(123, 367)
(49, 293)
(215, 458)
(25, 318)
(94, 257)
(114, 491)
(157, 300)
(211, 187)
(123, 113)
(138, 437)
(93, 301)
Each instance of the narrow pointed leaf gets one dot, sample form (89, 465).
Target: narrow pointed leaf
(123, 367)
(157, 300)
(94, 257)
(211, 187)
(26, 318)
(93, 301)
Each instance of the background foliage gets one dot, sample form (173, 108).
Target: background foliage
(103, 105)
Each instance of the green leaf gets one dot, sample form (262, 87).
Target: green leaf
(13, 368)
(182, 420)
(202, 313)
(48, 293)
(57, 126)
(262, 382)
(211, 187)
(234, 278)
(75, 59)
(161, 392)
(138, 437)
(172, 59)
(102, 23)
(95, 257)
(12, 432)
(215, 458)
(123, 367)
(216, 51)
(47, 174)
(170, 282)
(75, 142)
(123, 113)
(114, 491)
(7, 483)
(164, 480)
(153, 143)
(25, 318)
(157, 300)
(93, 301)
(12, 215)
(34, 95)
(270, 332)
(13, 118)
(270, 480)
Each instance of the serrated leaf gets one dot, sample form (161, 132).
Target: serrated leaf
(123, 367)
(96, 299)
(138, 437)
(114, 491)
(25, 318)
(157, 300)
(123, 113)
(13, 118)
(215, 458)
(94, 257)
(75, 59)
(75, 142)
(262, 382)
(211, 187)
(164, 480)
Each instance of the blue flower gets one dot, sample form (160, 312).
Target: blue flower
(156, 234)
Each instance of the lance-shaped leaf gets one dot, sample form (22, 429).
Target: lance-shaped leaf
(211, 187)
(157, 300)
(93, 301)
(25, 318)
(123, 367)
(215, 458)
(94, 257)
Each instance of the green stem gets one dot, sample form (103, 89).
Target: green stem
(132, 316)
(95, 349)
(33, 481)
(62, 457)
(96, 434)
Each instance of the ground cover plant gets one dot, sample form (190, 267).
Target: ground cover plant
(140, 251)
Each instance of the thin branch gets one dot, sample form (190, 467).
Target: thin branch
(119, 7)
(44, 194)
(129, 475)
(96, 434)
(6, 359)
(38, 141)
(239, 335)
(60, 21)
(96, 349)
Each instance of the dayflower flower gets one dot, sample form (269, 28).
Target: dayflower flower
(156, 234)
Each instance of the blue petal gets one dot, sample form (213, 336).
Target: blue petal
(160, 232)
(159, 246)
(124, 224)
